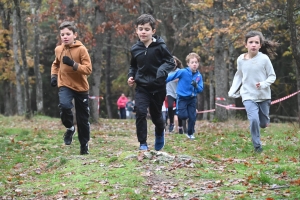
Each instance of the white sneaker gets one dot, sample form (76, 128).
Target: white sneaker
(192, 137)
(187, 135)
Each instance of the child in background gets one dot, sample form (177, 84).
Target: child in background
(190, 83)
(150, 64)
(69, 72)
(172, 96)
(252, 82)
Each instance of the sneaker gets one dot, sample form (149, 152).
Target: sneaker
(187, 135)
(192, 137)
(180, 131)
(258, 149)
(159, 142)
(84, 149)
(171, 127)
(68, 136)
(143, 147)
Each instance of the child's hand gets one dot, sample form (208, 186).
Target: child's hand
(68, 61)
(257, 85)
(53, 81)
(194, 83)
(130, 81)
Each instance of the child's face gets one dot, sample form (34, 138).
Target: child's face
(193, 64)
(67, 36)
(145, 33)
(253, 44)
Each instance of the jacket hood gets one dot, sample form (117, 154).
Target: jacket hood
(156, 40)
(76, 43)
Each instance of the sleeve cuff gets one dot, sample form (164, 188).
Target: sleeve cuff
(75, 67)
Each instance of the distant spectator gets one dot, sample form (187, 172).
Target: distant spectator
(129, 109)
(122, 106)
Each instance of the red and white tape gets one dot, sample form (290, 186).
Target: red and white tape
(232, 106)
(98, 99)
(221, 98)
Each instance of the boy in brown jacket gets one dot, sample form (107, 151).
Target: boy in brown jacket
(69, 72)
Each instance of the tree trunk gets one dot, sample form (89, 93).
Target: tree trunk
(35, 6)
(220, 65)
(97, 64)
(68, 9)
(108, 99)
(231, 72)
(291, 4)
(5, 15)
(18, 69)
(212, 94)
(28, 112)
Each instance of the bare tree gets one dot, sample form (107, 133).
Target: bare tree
(35, 7)
(220, 65)
(95, 78)
(18, 69)
(21, 31)
(291, 12)
(108, 98)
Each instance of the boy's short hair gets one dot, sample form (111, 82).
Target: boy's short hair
(144, 19)
(192, 55)
(67, 24)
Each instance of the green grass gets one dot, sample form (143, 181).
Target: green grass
(219, 164)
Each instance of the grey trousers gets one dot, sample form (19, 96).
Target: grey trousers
(258, 116)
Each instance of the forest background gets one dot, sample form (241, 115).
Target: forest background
(214, 29)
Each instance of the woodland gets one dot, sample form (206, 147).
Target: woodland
(214, 29)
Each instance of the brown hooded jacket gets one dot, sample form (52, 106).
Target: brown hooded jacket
(74, 77)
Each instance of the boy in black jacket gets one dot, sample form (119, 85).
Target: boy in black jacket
(150, 64)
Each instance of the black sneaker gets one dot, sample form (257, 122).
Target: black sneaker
(258, 149)
(180, 131)
(68, 137)
(171, 127)
(84, 149)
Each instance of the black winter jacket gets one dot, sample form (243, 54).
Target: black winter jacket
(150, 66)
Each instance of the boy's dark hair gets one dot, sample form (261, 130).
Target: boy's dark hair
(67, 24)
(144, 19)
(267, 46)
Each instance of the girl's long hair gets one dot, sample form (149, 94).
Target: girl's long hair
(178, 63)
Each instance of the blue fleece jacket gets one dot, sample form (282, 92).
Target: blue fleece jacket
(184, 87)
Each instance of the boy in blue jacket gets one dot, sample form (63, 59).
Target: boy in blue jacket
(190, 83)
(150, 64)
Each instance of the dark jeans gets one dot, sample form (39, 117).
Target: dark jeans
(66, 95)
(154, 101)
(171, 111)
(187, 110)
(122, 113)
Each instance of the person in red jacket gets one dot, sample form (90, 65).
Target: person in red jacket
(122, 105)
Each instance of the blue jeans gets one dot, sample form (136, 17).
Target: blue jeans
(258, 116)
(186, 109)
(66, 95)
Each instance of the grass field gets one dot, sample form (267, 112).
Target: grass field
(219, 164)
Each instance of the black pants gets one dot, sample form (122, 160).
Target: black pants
(66, 95)
(154, 101)
(171, 111)
(122, 113)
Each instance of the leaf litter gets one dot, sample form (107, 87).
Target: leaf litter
(168, 175)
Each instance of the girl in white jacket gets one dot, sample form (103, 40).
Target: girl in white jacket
(252, 82)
